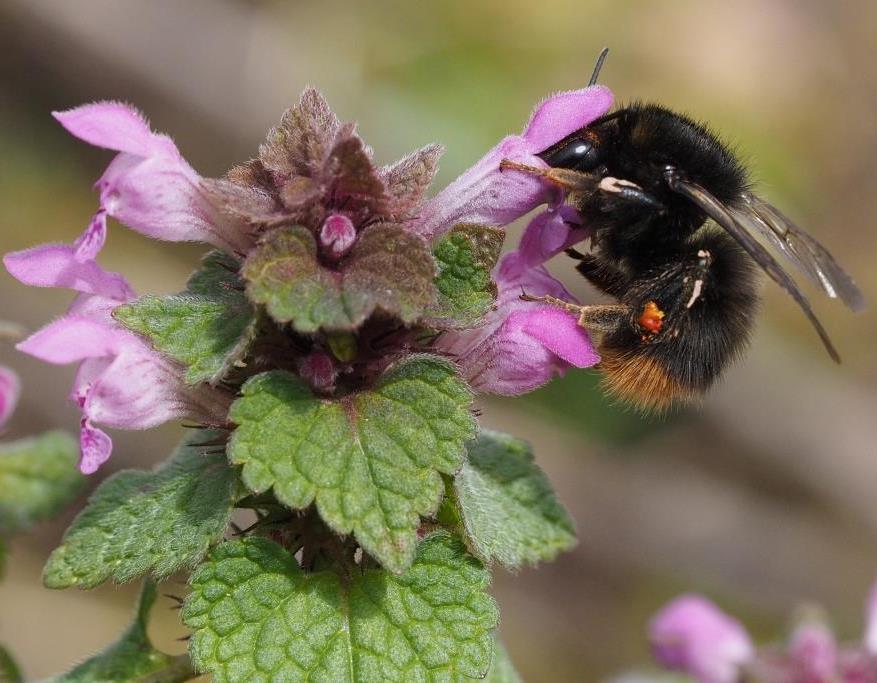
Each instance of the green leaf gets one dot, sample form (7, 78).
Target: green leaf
(283, 274)
(371, 460)
(388, 269)
(391, 270)
(501, 669)
(257, 617)
(9, 671)
(465, 257)
(206, 328)
(156, 522)
(509, 509)
(38, 476)
(132, 657)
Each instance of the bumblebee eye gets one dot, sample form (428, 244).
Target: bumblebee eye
(579, 155)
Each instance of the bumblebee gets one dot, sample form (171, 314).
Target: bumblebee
(678, 240)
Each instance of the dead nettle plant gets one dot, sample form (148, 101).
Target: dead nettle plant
(329, 348)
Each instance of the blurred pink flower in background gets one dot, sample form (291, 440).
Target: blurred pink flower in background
(10, 389)
(691, 635)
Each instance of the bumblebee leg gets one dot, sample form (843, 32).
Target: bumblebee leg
(695, 278)
(603, 318)
(572, 181)
(599, 318)
(603, 275)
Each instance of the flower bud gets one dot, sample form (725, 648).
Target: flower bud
(813, 651)
(10, 388)
(692, 635)
(337, 236)
(318, 369)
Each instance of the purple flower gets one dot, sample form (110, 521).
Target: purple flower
(522, 344)
(121, 381)
(813, 652)
(149, 186)
(337, 235)
(10, 389)
(692, 635)
(70, 266)
(318, 369)
(485, 194)
(870, 638)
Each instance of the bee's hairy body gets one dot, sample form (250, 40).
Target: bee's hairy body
(688, 291)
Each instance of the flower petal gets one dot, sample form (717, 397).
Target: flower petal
(871, 621)
(485, 194)
(149, 186)
(70, 266)
(95, 447)
(113, 125)
(88, 245)
(161, 197)
(563, 113)
(516, 350)
(10, 390)
(138, 390)
(70, 339)
(814, 652)
(560, 333)
(692, 635)
(549, 233)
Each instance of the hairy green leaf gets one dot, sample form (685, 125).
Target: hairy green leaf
(387, 269)
(132, 657)
(257, 617)
(501, 669)
(508, 507)
(38, 476)
(206, 328)
(9, 671)
(465, 257)
(408, 179)
(391, 270)
(371, 460)
(140, 522)
(283, 274)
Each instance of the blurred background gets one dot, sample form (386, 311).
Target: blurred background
(763, 497)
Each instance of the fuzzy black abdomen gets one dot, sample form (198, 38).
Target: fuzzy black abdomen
(691, 316)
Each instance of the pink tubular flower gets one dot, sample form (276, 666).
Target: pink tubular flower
(10, 389)
(813, 652)
(121, 382)
(71, 266)
(692, 635)
(149, 186)
(523, 344)
(870, 638)
(485, 194)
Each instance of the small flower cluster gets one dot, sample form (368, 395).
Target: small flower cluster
(692, 635)
(10, 389)
(336, 250)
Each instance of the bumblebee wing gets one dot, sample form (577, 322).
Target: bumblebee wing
(814, 260)
(720, 214)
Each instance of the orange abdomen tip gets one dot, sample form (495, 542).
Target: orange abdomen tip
(652, 318)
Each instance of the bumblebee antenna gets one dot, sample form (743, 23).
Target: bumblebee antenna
(598, 66)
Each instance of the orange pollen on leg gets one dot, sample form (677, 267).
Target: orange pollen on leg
(652, 318)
